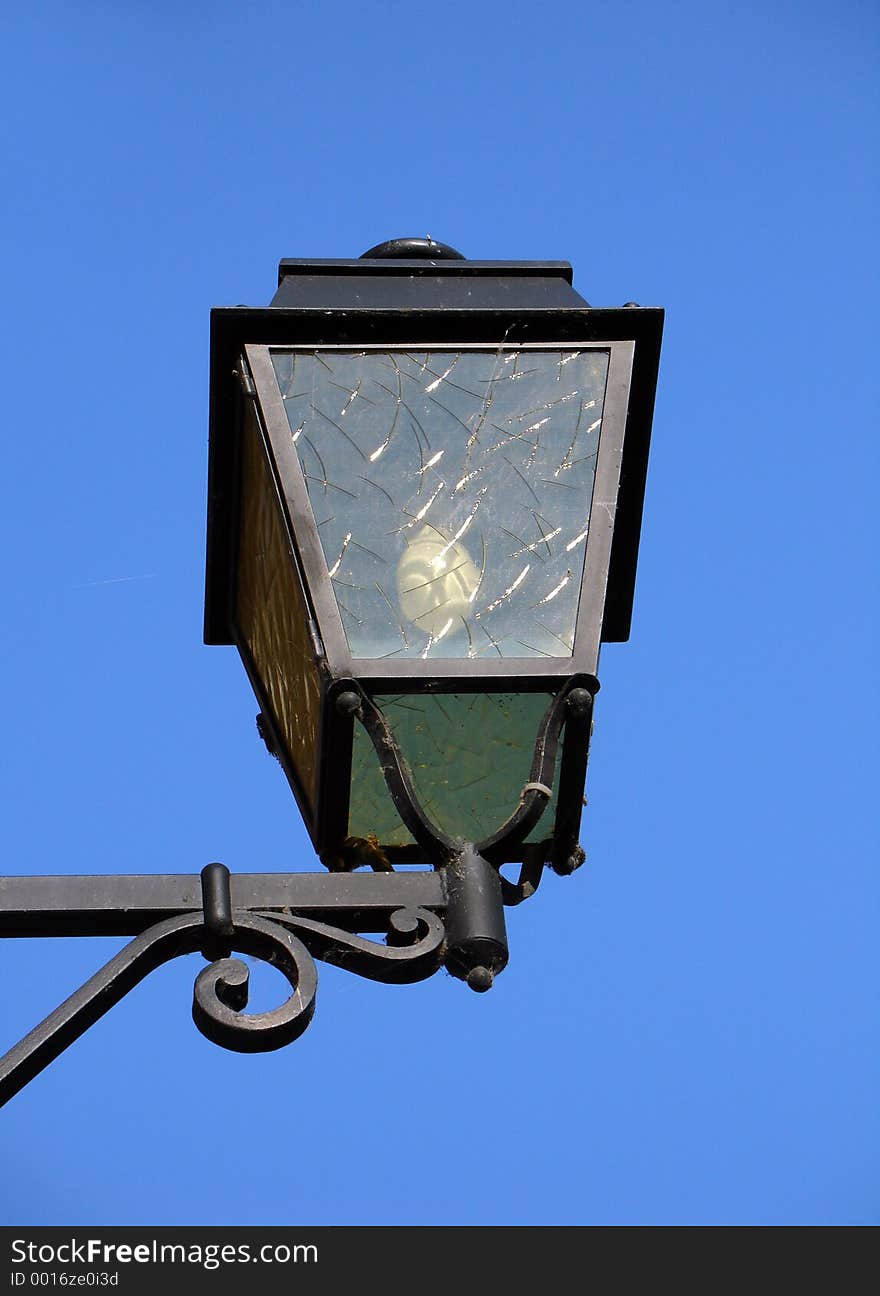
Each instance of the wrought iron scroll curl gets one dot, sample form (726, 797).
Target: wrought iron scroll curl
(413, 952)
(221, 989)
(219, 986)
(288, 942)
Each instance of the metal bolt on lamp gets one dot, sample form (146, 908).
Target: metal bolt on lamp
(425, 493)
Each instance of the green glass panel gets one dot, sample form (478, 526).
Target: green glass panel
(469, 755)
(452, 492)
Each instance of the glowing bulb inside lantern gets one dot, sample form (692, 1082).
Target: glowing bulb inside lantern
(436, 582)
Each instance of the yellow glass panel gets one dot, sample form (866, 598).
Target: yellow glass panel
(272, 614)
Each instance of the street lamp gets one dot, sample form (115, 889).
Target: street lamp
(425, 493)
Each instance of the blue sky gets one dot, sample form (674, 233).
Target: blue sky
(687, 1031)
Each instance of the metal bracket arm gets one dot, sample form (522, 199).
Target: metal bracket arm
(288, 919)
(452, 915)
(126, 904)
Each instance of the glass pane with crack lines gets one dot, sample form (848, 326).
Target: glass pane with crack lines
(451, 490)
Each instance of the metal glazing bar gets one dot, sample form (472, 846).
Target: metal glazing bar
(566, 853)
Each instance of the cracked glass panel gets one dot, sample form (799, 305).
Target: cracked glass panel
(451, 491)
(469, 755)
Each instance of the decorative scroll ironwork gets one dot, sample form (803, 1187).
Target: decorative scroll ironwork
(414, 950)
(221, 990)
(288, 941)
(218, 988)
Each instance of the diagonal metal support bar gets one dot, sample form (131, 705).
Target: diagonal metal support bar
(213, 1004)
(287, 919)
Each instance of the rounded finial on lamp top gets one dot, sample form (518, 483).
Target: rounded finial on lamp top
(412, 249)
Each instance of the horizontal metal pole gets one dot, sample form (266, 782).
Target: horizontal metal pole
(127, 904)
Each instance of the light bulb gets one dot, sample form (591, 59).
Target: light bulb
(436, 582)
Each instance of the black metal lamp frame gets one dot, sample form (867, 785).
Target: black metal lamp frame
(407, 295)
(554, 675)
